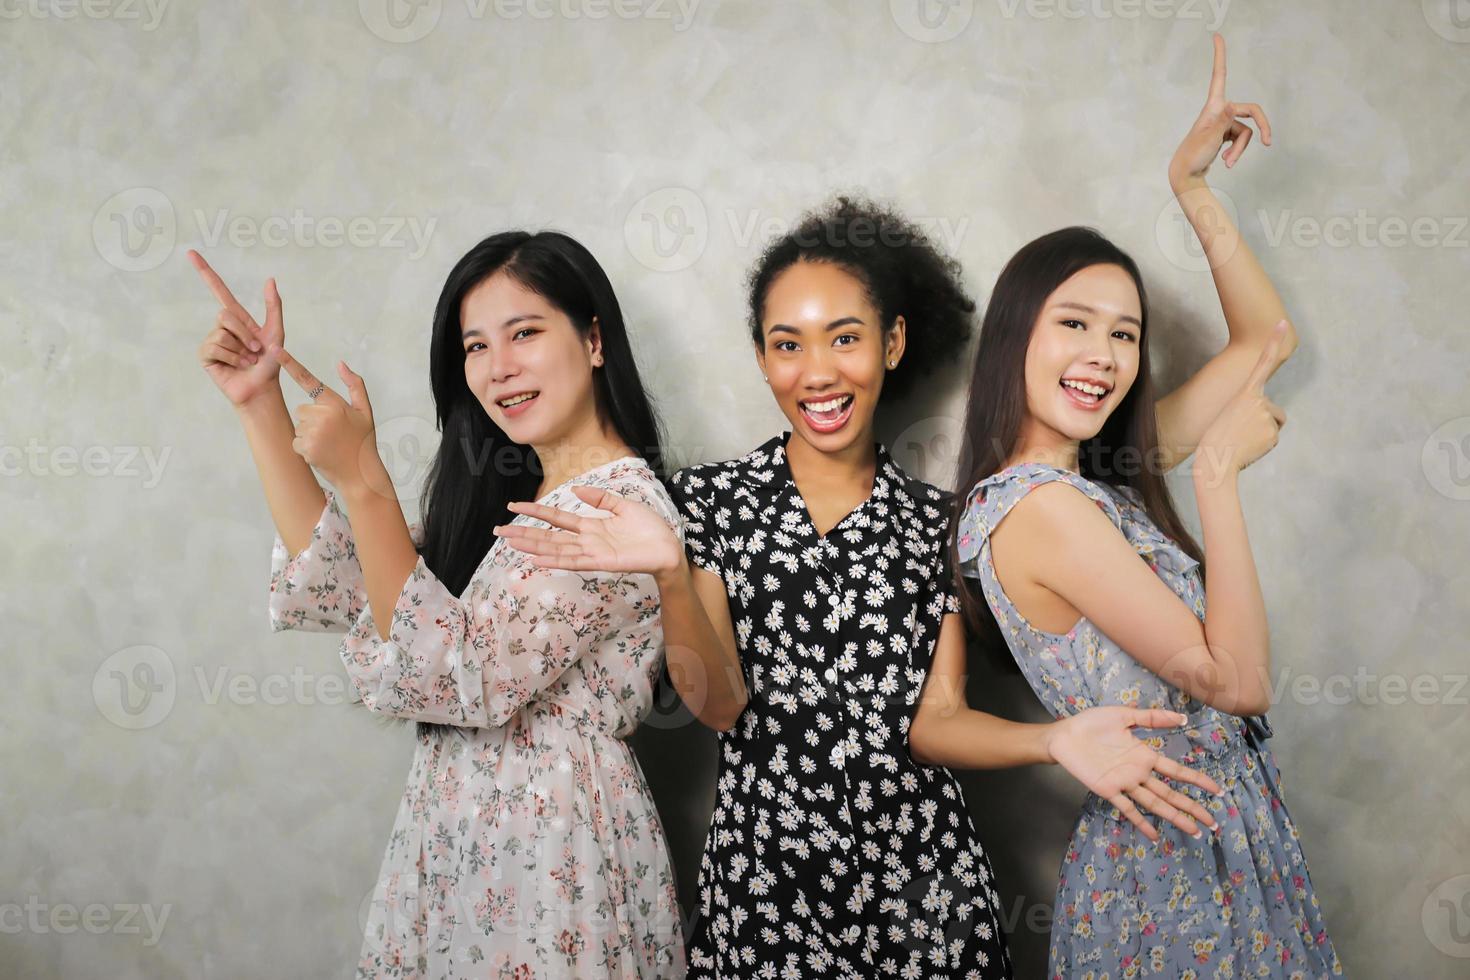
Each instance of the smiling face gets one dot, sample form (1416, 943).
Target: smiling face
(530, 368)
(1083, 356)
(824, 353)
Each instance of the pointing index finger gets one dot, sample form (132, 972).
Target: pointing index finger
(1217, 77)
(219, 289)
(299, 373)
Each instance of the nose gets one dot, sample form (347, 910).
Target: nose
(818, 369)
(502, 363)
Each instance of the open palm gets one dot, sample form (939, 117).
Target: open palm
(632, 538)
(1098, 747)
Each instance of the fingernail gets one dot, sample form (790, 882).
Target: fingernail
(255, 345)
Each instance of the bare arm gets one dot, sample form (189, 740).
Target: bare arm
(1057, 538)
(1249, 300)
(700, 639)
(291, 489)
(234, 355)
(1096, 746)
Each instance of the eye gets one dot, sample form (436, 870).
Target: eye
(781, 345)
(847, 336)
(1125, 335)
(525, 330)
(471, 348)
(1074, 323)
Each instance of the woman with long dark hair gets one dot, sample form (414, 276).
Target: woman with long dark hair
(1064, 457)
(803, 615)
(526, 843)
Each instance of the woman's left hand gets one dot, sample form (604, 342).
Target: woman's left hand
(333, 434)
(1219, 123)
(1099, 748)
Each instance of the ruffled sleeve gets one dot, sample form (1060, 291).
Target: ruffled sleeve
(475, 661)
(321, 589)
(993, 497)
(702, 519)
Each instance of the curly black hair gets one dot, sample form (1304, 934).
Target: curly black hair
(904, 273)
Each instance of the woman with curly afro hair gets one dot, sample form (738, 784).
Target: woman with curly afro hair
(802, 613)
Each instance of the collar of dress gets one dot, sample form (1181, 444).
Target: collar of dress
(766, 467)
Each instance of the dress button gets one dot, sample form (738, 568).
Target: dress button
(846, 842)
(831, 675)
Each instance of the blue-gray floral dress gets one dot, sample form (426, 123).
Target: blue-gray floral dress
(1235, 903)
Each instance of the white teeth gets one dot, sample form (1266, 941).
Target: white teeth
(1090, 389)
(828, 406)
(513, 402)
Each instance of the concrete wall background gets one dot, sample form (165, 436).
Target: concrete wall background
(186, 795)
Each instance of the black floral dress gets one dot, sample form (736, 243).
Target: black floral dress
(831, 852)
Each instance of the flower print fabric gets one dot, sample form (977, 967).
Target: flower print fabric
(831, 852)
(1237, 902)
(526, 843)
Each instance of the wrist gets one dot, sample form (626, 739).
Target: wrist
(1212, 473)
(264, 402)
(1049, 733)
(674, 576)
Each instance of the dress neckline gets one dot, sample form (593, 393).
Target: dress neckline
(633, 459)
(883, 476)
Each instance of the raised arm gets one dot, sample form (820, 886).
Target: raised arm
(1251, 305)
(234, 355)
(1057, 537)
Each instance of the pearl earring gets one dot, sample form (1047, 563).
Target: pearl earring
(892, 364)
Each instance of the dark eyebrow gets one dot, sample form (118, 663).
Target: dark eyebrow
(845, 321)
(1087, 309)
(520, 318)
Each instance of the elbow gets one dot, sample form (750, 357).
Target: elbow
(724, 718)
(918, 742)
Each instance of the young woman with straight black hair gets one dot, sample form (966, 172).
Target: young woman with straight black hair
(526, 843)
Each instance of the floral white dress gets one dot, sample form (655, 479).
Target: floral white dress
(526, 844)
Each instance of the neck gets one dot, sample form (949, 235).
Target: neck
(856, 463)
(591, 446)
(1042, 444)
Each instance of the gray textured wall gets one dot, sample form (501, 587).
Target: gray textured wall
(186, 795)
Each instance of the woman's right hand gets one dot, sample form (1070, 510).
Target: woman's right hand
(1249, 425)
(633, 538)
(234, 351)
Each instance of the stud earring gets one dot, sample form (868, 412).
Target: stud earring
(892, 364)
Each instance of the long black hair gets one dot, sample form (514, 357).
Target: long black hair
(1123, 453)
(903, 272)
(478, 470)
